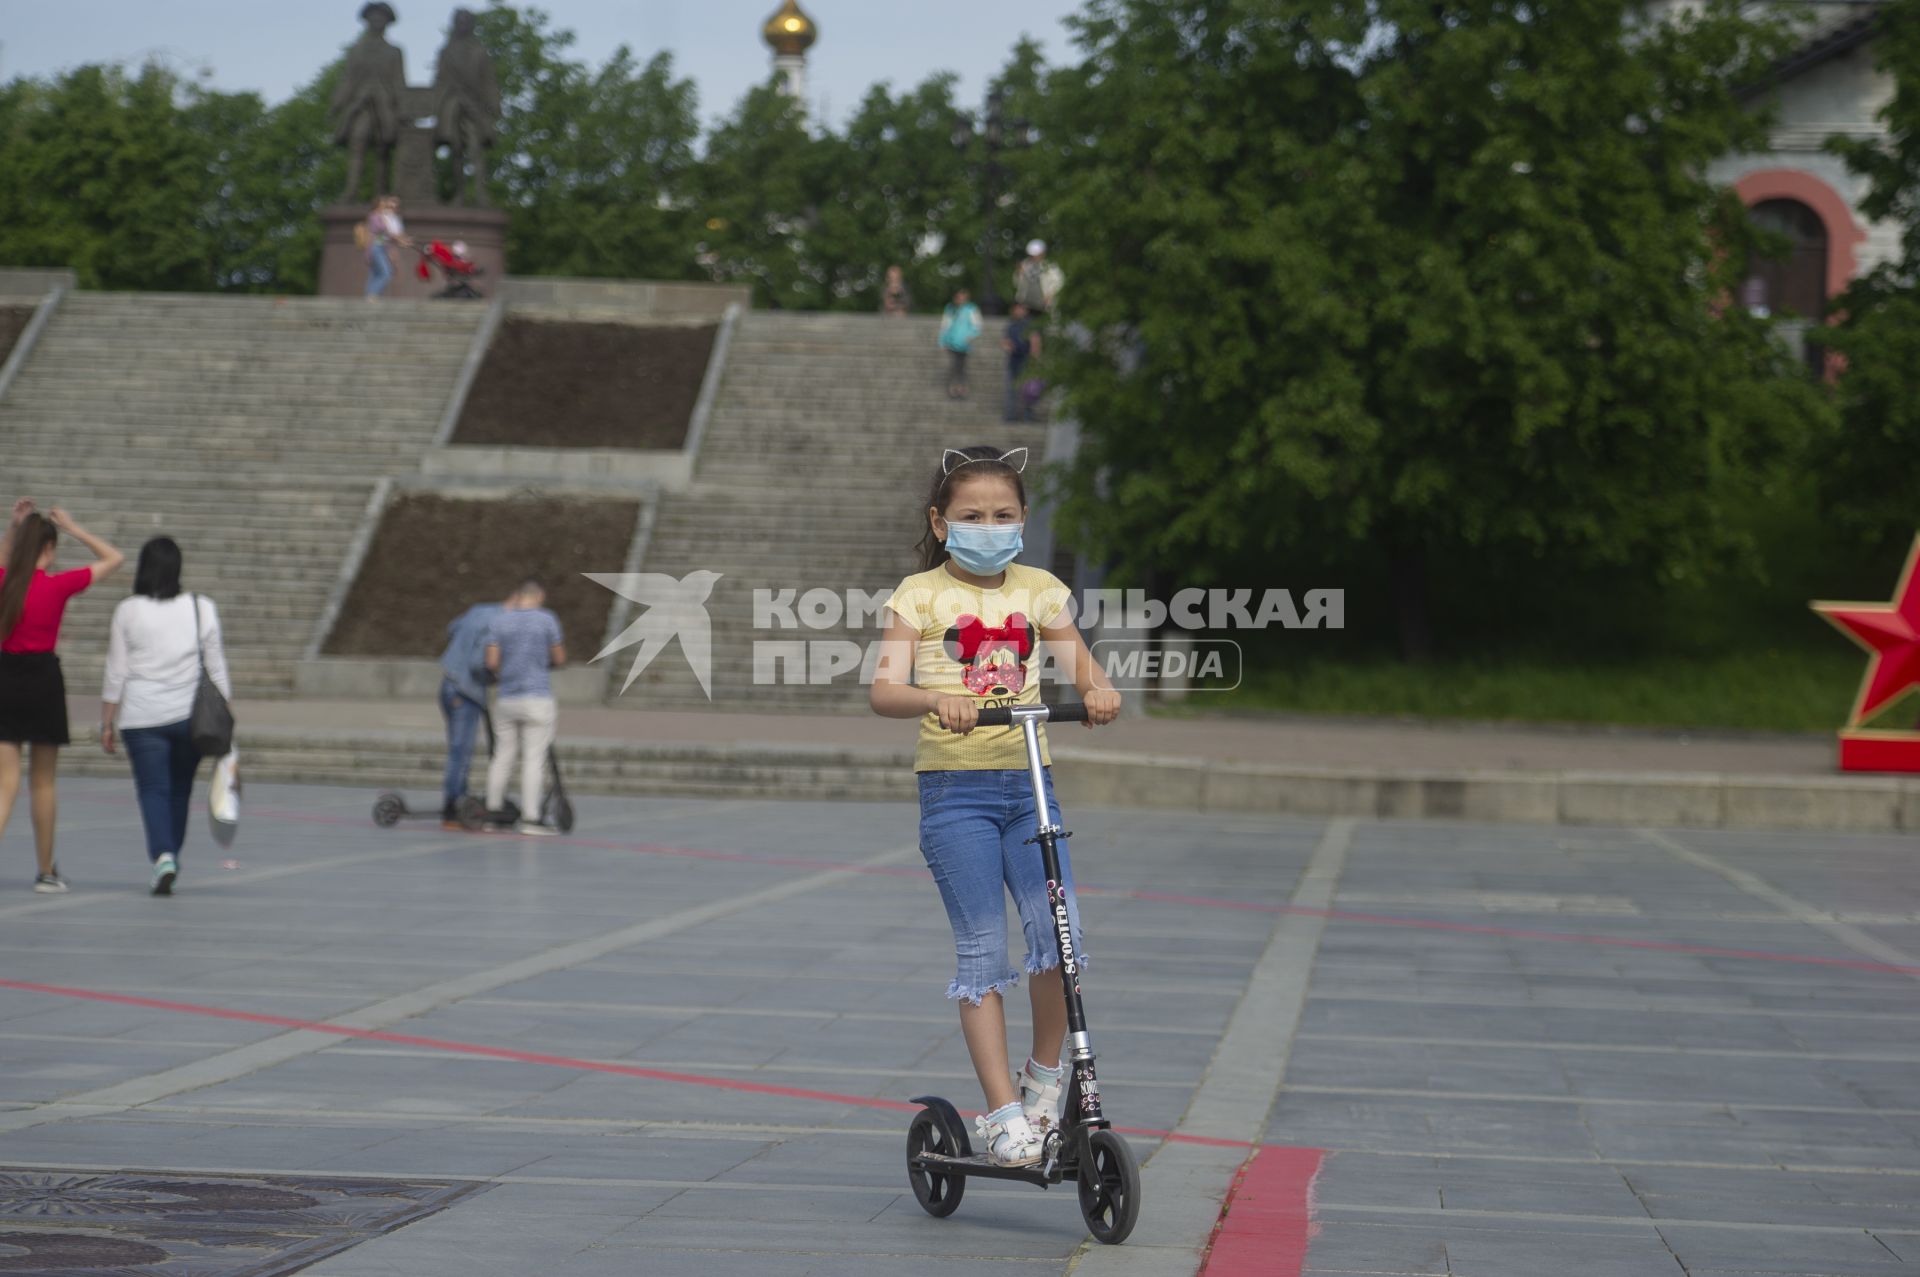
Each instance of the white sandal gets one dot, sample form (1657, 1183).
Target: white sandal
(1010, 1141)
(1040, 1098)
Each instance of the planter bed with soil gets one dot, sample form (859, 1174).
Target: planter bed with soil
(432, 557)
(13, 321)
(578, 385)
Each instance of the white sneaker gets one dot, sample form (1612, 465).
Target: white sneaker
(1040, 1097)
(536, 829)
(165, 870)
(1010, 1140)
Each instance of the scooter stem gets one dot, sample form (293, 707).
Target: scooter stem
(1030, 729)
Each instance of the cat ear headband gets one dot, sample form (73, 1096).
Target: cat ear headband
(952, 459)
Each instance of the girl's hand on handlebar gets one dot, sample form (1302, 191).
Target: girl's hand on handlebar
(1103, 706)
(958, 714)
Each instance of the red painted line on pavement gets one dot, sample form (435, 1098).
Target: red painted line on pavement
(458, 1048)
(1266, 1222)
(526, 1057)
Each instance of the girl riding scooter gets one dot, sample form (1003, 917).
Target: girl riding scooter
(966, 631)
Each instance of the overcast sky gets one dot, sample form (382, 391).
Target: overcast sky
(274, 46)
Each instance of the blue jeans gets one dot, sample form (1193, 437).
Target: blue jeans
(379, 270)
(164, 761)
(973, 831)
(463, 723)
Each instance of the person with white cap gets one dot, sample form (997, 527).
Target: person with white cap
(1036, 281)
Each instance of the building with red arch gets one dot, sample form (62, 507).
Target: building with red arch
(1827, 85)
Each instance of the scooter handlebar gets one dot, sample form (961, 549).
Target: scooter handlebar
(1002, 715)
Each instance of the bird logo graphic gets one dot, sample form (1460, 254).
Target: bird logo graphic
(674, 609)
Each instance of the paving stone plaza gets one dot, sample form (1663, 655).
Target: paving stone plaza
(682, 1040)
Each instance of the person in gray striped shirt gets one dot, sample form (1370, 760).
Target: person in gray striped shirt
(524, 647)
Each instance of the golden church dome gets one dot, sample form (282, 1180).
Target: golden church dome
(790, 32)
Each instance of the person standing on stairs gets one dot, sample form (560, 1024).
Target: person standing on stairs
(895, 301)
(959, 325)
(1036, 280)
(155, 648)
(384, 228)
(1021, 342)
(33, 693)
(524, 646)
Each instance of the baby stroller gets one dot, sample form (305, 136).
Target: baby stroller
(457, 269)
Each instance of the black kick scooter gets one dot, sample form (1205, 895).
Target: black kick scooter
(556, 809)
(1084, 1147)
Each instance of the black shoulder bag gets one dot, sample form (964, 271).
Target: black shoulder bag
(211, 726)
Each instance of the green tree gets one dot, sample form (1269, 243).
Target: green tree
(1019, 210)
(760, 189)
(898, 193)
(103, 175)
(597, 166)
(1412, 279)
(140, 180)
(1870, 468)
(268, 170)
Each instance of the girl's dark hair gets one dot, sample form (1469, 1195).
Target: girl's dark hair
(34, 534)
(158, 576)
(981, 462)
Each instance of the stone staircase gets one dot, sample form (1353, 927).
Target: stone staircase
(251, 430)
(813, 473)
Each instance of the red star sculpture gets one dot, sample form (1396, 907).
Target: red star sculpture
(1890, 632)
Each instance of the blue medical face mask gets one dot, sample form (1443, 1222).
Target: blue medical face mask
(983, 548)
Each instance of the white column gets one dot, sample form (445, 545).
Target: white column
(792, 70)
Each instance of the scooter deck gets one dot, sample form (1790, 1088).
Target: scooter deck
(979, 1165)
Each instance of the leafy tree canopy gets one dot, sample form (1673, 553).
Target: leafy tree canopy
(1870, 468)
(1407, 277)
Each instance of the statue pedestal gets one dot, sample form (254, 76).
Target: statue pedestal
(343, 267)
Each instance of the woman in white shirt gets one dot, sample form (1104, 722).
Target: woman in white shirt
(384, 227)
(153, 672)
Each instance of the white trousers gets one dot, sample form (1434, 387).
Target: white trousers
(522, 731)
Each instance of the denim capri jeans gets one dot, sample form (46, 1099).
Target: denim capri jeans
(974, 827)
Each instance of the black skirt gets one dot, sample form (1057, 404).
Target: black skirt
(33, 699)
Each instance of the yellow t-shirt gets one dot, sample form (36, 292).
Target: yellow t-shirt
(983, 643)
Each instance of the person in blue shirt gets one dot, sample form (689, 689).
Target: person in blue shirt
(959, 325)
(463, 699)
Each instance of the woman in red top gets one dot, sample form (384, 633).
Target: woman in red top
(33, 695)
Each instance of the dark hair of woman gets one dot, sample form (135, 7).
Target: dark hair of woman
(34, 534)
(158, 576)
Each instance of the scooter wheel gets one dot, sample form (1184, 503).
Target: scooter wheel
(1109, 1188)
(563, 816)
(471, 812)
(388, 809)
(938, 1194)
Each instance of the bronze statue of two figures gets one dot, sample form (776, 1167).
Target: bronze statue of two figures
(374, 112)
